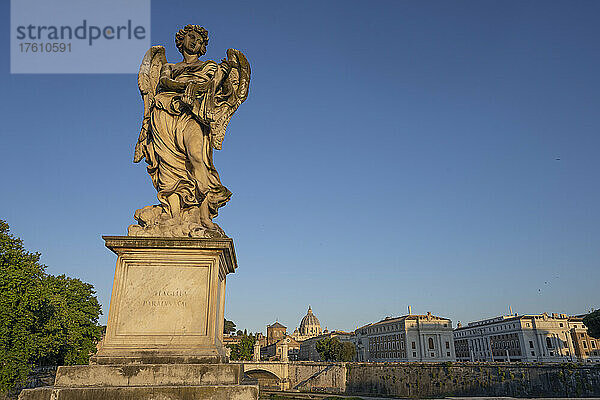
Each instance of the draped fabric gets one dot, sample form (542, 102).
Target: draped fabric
(179, 148)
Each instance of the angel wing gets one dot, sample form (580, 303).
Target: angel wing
(148, 77)
(230, 95)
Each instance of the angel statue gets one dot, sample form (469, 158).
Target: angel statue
(187, 106)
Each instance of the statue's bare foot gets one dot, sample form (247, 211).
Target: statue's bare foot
(207, 223)
(205, 219)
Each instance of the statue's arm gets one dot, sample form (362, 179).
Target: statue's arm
(209, 73)
(223, 70)
(167, 82)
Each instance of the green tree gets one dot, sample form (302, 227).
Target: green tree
(244, 349)
(71, 330)
(592, 321)
(328, 348)
(348, 352)
(21, 289)
(331, 349)
(228, 327)
(44, 319)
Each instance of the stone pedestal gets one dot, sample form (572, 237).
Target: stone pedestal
(168, 299)
(164, 338)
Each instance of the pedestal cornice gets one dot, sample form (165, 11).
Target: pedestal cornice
(225, 245)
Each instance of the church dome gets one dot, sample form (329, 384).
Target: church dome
(310, 325)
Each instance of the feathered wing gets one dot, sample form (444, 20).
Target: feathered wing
(148, 78)
(232, 93)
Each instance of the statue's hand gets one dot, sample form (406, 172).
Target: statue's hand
(191, 92)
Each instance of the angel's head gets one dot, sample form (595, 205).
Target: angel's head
(192, 39)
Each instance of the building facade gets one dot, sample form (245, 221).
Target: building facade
(308, 348)
(261, 339)
(275, 333)
(285, 349)
(522, 338)
(424, 338)
(587, 348)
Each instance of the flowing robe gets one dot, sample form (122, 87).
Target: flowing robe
(180, 151)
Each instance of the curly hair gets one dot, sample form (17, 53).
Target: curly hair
(179, 36)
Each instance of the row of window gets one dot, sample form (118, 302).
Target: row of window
(394, 327)
(386, 346)
(592, 344)
(392, 355)
(384, 328)
(510, 344)
(506, 342)
(378, 345)
(477, 331)
(386, 338)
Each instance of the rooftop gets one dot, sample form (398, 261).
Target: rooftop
(276, 325)
(387, 320)
(514, 317)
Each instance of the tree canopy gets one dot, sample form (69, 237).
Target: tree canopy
(44, 319)
(244, 349)
(228, 327)
(331, 349)
(592, 321)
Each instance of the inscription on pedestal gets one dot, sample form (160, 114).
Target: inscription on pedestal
(163, 299)
(167, 298)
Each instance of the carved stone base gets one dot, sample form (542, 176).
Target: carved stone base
(148, 375)
(238, 392)
(164, 382)
(167, 303)
(154, 222)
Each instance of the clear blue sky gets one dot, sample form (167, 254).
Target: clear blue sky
(389, 154)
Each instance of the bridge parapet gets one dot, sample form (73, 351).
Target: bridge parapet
(303, 376)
